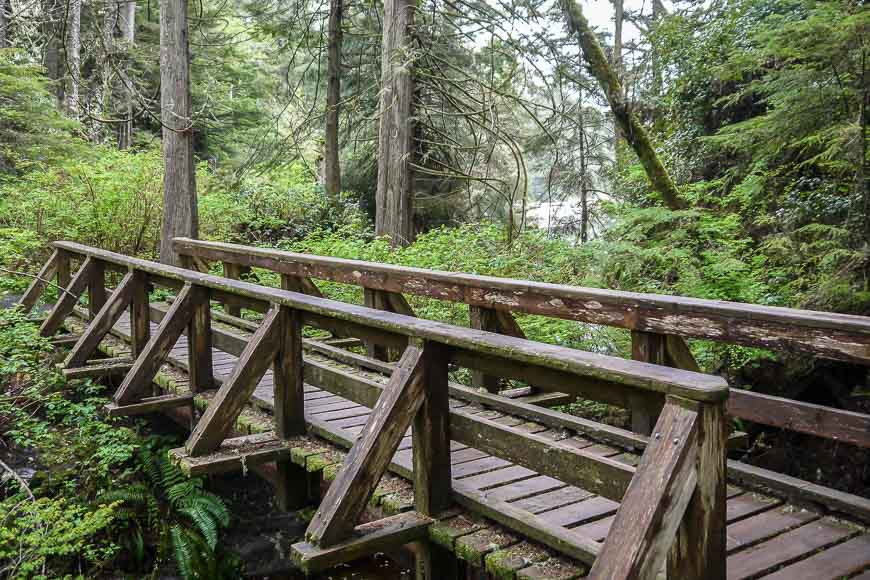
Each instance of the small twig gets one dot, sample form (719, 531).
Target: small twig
(18, 479)
(43, 280)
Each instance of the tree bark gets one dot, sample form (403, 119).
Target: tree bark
(584, 193)
(3, 24)
(128, 33)
(618, 18)
(394, 202)
(631, 127)
(73, 55)
(179, 181)
(332, 167)
(51, 57)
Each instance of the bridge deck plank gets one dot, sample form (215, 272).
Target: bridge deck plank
(764, 535)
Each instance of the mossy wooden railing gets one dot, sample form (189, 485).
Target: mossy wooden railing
(659, 324)
(672, 503)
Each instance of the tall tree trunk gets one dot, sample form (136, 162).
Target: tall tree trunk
(179, 181)
(73, 56)
(128, 33)
(394, 202)
(584, 191)
(616, 63)
(3, 24)
(631, 127)
(51, 58)
(332, 167)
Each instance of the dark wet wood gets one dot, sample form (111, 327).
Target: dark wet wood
(199, 342)
(653, 506)
(220, 416)
(785, 548)
(147, 363)
(629, 374)
(289, 395)
(837, 424)
(96, 288)
(233, 454)
(37, 286)
(102, 323)
(371, 454)
(378, 536)
(102, 368)
(67, 300)
(235, 272)
(150, 405)
(140, 321)
(432, 434)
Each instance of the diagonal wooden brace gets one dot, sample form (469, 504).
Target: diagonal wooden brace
(220, 416)
(646, 524)
(102, 323)
(37, 287)
(67, 300)
(371, 454)
(158, 346)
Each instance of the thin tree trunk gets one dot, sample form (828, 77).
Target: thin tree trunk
(73, 55)
(179, 181)
(51, 58)
(584, 192)
(332, 167)
(3, 24)
(128, 32)
(394, 203)
(616, 62)
(632, 129)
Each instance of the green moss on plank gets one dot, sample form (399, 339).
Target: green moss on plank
(474, 547)
(503, 564)
(445, 533)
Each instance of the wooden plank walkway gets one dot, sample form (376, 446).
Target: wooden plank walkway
(766, 537)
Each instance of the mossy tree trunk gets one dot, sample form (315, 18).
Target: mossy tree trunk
(631, 128)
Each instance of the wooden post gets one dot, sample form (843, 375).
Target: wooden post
(157, 348)
(431, 448)
(234, 271)
(224, 408)
(140, 314)
(96, 288)
(431, 435)
(292, 483)
(199, 352)
(63, 269)
(374, 299)
(646, 347)
(699, 549)
(484, 319)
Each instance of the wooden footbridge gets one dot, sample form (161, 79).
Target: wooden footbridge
(488, 479)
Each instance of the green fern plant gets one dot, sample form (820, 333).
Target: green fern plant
(180, 517)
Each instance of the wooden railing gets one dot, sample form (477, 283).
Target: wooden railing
(673, 504)
(659, 324)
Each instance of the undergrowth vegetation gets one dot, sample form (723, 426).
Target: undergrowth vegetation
(82, 494)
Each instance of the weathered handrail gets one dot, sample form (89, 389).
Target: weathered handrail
(672, 503)
(836, 336)
(658, 324)
(396, 329)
